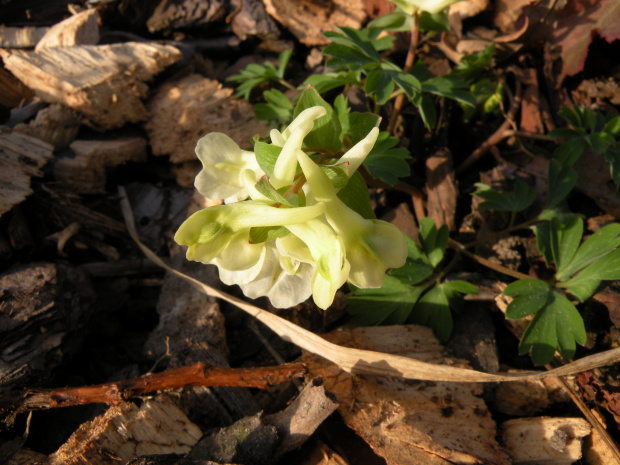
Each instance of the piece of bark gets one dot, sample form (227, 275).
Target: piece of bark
(529, 397)
(441, 188)
(307, 19)
(86, 172)
(21, 158)
(473, 338)
(252, 20)
(21, 37)
(57, 125)
(43, 311)
(545, 440)
(187, 14)
(531, 119)
(79, 29)
(301, 418)
(403, 219)
(410, 421)
(125, 432)
(184, 111)
(248, 440)
(105, 83)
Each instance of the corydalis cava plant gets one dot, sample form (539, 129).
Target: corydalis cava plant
(284, 233)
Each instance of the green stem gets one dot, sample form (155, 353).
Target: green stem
(287, 84)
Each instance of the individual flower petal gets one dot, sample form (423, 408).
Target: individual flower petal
(293, 135)
(283, 289)
(432, 6)
(223, 161)
(328, 254)
(208, 232)
(356, 155)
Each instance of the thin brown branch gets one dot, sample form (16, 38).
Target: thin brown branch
(500, 134)
(198, 374)
(488, 263)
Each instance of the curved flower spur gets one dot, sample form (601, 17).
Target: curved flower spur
(294, 237)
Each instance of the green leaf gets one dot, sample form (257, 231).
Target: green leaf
(386, 162)
(572, 117)
(461, 287)
(267, 233)
(393, 300)
(283, 60)
(600, 141)
(561, 180)
(344, 56)
(355, 196)
(521, 199)
(558, 325)
(361, 124)
(434, 241)
(397, 22)
(266, 156)
(417, 267)
(407, 82)
(585, 283)
(337, 174)
(427, 110)
(265, 188)
(277, 108)
(530, 296)
(433, 310)
(341, 107)
(612, 126)
(436, 22)
(327, 130)
(328, 81)
(599, 244)
(450, 86)
(565, 239)
(355, 39)
(570, 151)
(380, 84)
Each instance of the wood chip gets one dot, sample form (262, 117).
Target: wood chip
(21, 37)
(410, 421)
(441, 187)
(103, 82)
(86, 173)
(21, 158)
(307, 20)
(529, 397)
(544, 440)
(184, 111)
(80, 29)
(57, 125)
(125, 432)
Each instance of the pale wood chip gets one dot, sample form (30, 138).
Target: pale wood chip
(103, 82)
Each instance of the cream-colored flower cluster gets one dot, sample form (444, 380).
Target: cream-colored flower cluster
(318, 242)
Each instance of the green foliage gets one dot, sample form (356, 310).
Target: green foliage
(254, 75)
(589, 129)
(579, 269)
(278, 107)
(407, 295)
(516, 201)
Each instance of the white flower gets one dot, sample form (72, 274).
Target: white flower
(223, 163)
